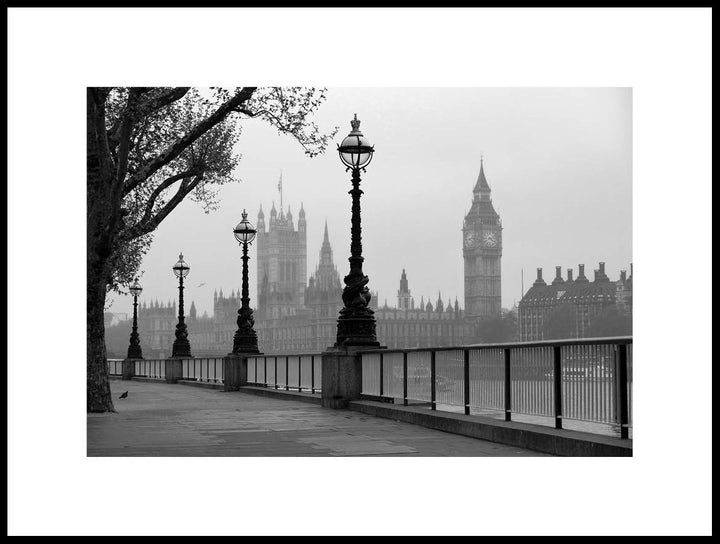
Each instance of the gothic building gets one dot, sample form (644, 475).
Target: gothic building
(482, 251)
(281, 264)
(583, 299)
(297, 314)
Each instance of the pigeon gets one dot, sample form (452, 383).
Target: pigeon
(124, 395)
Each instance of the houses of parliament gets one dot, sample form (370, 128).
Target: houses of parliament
(297, 314)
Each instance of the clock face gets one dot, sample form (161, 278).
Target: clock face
(489, 239)
(470, 239)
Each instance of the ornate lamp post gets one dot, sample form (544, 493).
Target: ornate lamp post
(134, 351)
(356, 324)
(245, 340)
(181, 346)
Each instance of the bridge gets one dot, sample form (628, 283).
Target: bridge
(565, 397)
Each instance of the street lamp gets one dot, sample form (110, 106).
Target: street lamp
(181, 346)
(245, 340)
(356, 324)
(134, 351)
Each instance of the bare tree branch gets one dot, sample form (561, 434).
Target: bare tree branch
(128, 120)
(146, 108)
(164, 185)
(149, 224)
(154, 164)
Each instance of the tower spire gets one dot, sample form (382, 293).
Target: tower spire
(280, 189)
(481, 185)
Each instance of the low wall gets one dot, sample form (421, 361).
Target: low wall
(561, 442)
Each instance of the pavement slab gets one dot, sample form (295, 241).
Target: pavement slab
(166, 420)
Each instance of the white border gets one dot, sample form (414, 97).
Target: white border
(664, 54)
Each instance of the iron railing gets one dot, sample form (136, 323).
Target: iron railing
(297, 372)
(150, 368)
(203, 369)
(115, 367)
(588, 380)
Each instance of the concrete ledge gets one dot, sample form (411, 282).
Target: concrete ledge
(144, 379)
(281, 394)
(532, 437)
(207, 385)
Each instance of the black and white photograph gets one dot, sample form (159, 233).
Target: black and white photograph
(359, 252)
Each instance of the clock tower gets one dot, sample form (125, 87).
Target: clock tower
(482, 250)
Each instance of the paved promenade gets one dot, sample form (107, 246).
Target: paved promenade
(158, 419)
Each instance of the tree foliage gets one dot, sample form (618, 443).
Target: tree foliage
(173, 151)
(609, 322)
(560, 323)
(498, 329)
(149, 148)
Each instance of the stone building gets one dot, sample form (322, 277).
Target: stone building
(297, 314)
(583, 299)
(482, 253)
(281, 264)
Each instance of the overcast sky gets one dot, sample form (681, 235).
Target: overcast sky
(558, 161)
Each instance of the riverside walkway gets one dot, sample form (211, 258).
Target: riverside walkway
(159, 419)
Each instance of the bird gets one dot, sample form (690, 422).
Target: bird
(124, 395)
(201, 285)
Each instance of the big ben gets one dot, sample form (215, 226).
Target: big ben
(482, 251)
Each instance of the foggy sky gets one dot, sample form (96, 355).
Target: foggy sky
(558, 161)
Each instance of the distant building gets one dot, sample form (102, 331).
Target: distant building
(584, 301)
(297, 314)
(482, 252)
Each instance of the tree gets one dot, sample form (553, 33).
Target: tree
(148, 149)
(609, 322)
(498, 329)
(560, 322)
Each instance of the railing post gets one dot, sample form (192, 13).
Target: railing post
(622, 396)
(312, 374)
(466, 381)
(557, 382)
(287, 373)
(128, 369)
(381, 375)
(508, 388)
(275, 377)
(432, 380)
(299, 373)
(405, 387)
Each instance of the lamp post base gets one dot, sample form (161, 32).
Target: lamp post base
(356, 331)
(245, 344)
(134, 352)
(181, 349)
(245, 339)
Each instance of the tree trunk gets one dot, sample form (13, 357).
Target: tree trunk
(100, 228)
(99, 398)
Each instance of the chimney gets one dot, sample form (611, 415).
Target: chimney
(623, 277)
(539, 280)
(570, 274)
(558, 276)
(600, 275)
(581, 274)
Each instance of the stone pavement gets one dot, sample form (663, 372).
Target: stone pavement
(159, 419)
